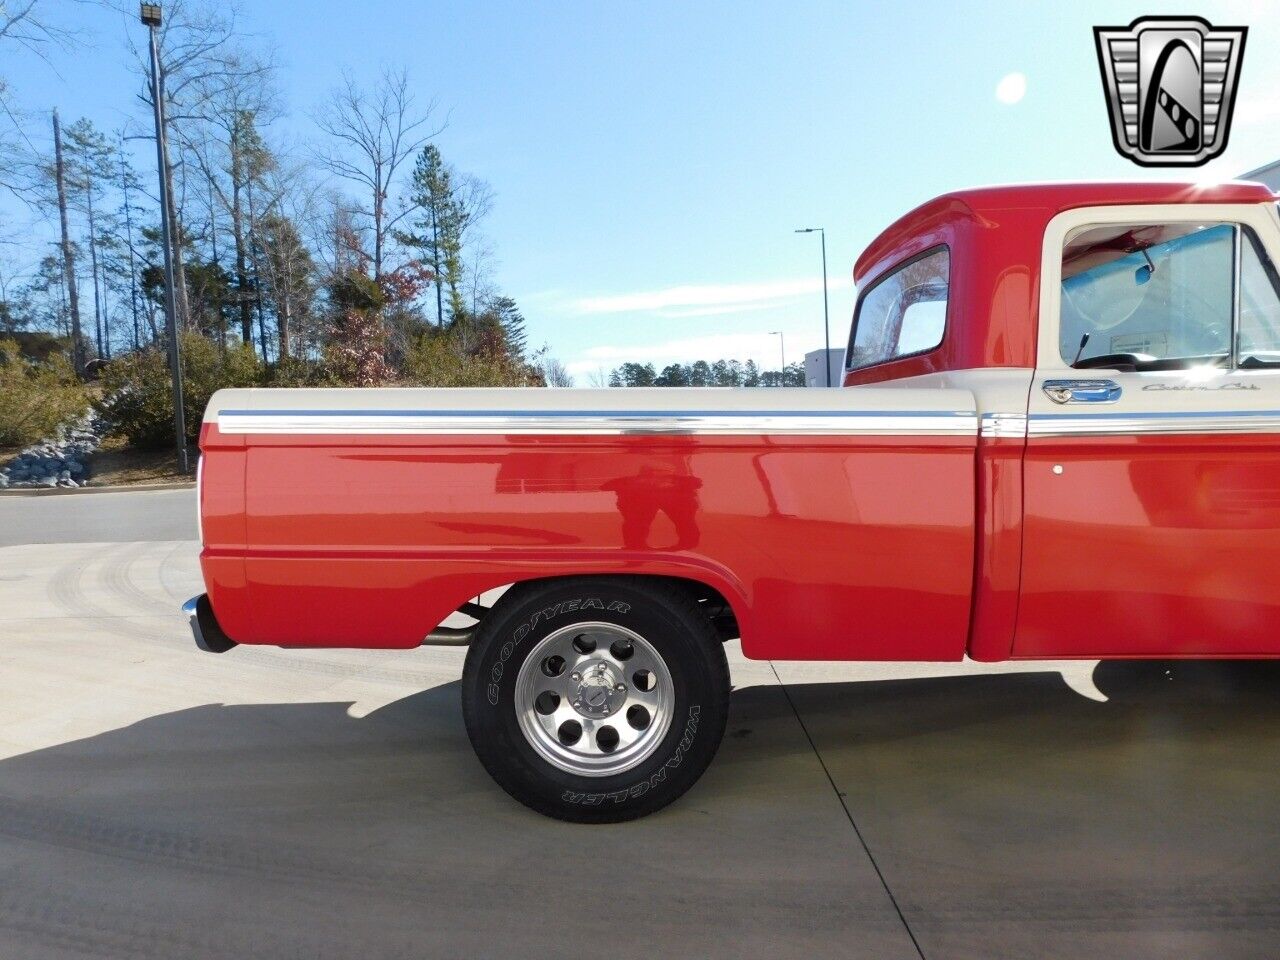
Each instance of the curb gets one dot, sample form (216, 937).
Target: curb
(117, 488)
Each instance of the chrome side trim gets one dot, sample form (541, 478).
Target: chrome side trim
(1004, 425)
(1111, 424)
(569, 422)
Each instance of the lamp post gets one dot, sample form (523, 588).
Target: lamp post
(151, 17)
(826, 312)
(782, 350)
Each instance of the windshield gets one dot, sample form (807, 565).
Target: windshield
(1157, 295)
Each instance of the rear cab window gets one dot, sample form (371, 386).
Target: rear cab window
(903, 314)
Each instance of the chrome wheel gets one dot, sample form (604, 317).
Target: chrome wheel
(594, 699)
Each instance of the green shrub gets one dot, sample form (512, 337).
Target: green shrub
(292, 372)
(354, 291)
(138, 396)
(36, 397)
(436, 360)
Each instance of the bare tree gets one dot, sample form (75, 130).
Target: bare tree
(90, 169)
(198, 54)
(25, 25)
(554, 372)
(127, 180)
(289, 270)
(478, 273)
(222, 139)
(474, 198)
(336, 235)
(11, 158)
(68, 258)
(374, 133)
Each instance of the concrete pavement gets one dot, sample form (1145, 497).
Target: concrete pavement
(92, 517)
(156, 801)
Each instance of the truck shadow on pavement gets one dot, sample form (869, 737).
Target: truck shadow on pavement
(1009, 816)
(1003, 806)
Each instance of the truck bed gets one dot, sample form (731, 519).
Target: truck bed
(837, 524)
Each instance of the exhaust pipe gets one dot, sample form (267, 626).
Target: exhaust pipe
(210, 637)
(457, 636)
(450, 636)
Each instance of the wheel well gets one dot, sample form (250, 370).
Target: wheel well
(717, 608)
(713, 603)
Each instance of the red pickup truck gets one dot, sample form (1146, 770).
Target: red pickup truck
(1061, 438)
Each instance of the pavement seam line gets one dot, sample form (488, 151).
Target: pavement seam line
(848, 813)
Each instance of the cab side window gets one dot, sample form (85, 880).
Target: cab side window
(1149, 296)
(905, 313)
(1150, 293)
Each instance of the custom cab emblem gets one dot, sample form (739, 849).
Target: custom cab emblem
(1229, 386)
(1170, 84)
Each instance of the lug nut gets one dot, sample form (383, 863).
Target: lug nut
(576, 675)
(621, 688)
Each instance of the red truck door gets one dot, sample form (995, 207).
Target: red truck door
(1152, 471)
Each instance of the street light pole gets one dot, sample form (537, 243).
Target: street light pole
(151, 17)
(782, 350)
(826, 311)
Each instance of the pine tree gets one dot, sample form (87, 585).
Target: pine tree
(126, 181)
(673, 375)
(289, 273)
(439, 228)
(90, 168)
(513, 332)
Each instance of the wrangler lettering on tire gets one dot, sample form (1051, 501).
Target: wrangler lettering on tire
(596, 699)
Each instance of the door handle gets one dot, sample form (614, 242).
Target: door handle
(1082, 391)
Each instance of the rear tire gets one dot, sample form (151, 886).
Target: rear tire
(596, 699)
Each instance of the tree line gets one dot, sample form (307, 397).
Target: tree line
(700, 373)
(356, 257)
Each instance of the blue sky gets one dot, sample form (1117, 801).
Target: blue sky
(651, 161)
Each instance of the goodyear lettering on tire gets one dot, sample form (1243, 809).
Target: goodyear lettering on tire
(541, 616)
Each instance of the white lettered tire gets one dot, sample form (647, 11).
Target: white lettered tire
(596, 699)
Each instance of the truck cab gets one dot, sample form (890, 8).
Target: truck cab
(1122, 344)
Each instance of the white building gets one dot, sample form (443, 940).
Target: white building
(1270, 175)
(814, 376)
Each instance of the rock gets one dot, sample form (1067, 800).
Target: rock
(60, 460)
